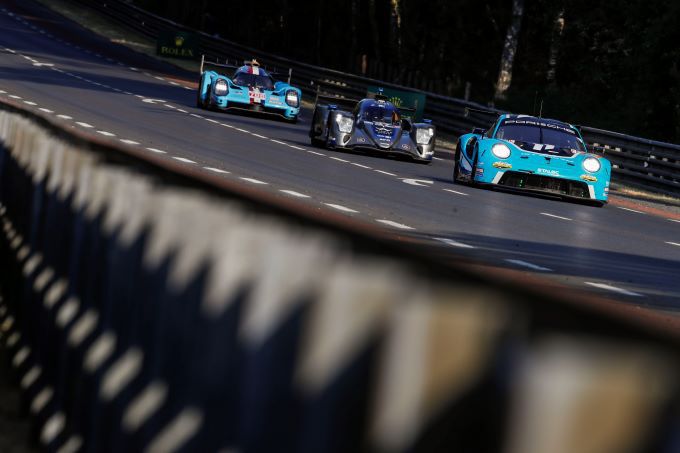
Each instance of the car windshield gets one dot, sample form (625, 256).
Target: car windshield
(245, 79)
(540, 133)
(385, 113)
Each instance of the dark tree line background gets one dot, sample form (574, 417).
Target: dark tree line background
(612, 64)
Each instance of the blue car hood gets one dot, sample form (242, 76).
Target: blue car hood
(384, 135)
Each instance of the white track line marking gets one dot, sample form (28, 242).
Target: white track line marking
(79, 123)
(129, 142)
(555, 216)
(630, 210)
(340, 208)
(196, 116)
(14, 96)
(296, 147)
(531, 266)
(315, 152)
(30, 103)
(107, 134)
(253, 180)
(183, 159)
(259, 136)
(212, 120)
(241, 130)
(437, 158)
(401, 226)
(673, 243)
(159, 151)
(674, 220)
(42, 109)
(294, 194)
(385, 172)
(65, 117)
(456, 192)
(216, 170)
(169, 106)
(279, 142)
(361, 166)
(625, 292)
(183, 111)
(453, 243)
(338, 159)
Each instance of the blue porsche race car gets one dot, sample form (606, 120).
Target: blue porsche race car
(251, 88)
(533, 154)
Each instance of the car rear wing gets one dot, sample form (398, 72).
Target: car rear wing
(216, 64)
(330, 97)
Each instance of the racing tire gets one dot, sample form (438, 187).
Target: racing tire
(199, 102)
(456, 157)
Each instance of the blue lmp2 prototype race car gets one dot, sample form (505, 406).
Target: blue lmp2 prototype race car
(372, 124)
(251, 88)
(533, 154)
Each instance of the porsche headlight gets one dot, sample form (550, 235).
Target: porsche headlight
(344, 123)
(292, 98)
(221, 87)
(591, 164)
(500, 150)
(423, 136)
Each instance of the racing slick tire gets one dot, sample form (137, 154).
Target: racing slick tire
(199, 102)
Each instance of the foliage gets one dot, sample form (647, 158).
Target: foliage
(617, 65)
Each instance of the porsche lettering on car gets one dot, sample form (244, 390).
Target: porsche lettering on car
(250, 88)
(527, 153)
(371, 124)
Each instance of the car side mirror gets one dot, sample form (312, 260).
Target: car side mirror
(405, 124)
(478, 131)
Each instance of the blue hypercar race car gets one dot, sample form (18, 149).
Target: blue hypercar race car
(533, 154)
(251, 88)
(371, 124)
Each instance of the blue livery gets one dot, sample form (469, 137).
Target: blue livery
(527, 153)
(251, 88)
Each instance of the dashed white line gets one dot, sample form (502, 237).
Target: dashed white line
(30, 103)
(340, 160)
(85, 125)
(159, 151)
(258, 135)
(528, 265)
(43, 109)
(196, 116)
(278, 141)
(253, 180)
(170, 106)
(181, 110)
(453, 243)
(630, 210)
(216, 170)
(212, 120)
(385, 172)
(555, 216)
(240, 130)
(14, 96)
(65, 117)
(106, 134)
(184, 159)
(673, 243)
(298, 148)
(615, 289)
(295, 194)
(391, 223)
(674, 220)
(456, 192)
(341, 208)
(361, 165)
(314, 152)
(129, 142)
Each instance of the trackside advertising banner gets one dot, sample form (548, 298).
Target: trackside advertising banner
(177, 44)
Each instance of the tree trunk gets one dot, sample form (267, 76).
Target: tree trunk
(375, 32)
(555, 40)
(509, 50)
(395, 28)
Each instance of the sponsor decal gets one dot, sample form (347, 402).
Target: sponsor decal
(589, 178)
(177, 44)
(256, 96)
(545, 171)
(275, 100)
(480, 171)
(406, 147)
(502, 165)
(361, 140)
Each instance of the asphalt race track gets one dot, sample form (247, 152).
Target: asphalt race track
(53, 65)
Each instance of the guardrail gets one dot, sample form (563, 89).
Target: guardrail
(148, 306)
(636, 161)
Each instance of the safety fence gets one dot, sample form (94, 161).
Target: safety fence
(636, 161)
(148, 307)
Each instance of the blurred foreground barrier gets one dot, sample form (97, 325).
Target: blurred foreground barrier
(147, 309)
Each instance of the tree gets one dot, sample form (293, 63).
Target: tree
(509, 50)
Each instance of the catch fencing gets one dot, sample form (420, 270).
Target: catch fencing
(150, 307)
(636, 161)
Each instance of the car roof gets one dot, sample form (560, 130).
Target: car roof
(250, 69)
(370, 102)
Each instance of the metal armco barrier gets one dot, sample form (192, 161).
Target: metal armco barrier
(645, 163)
(146, 309)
